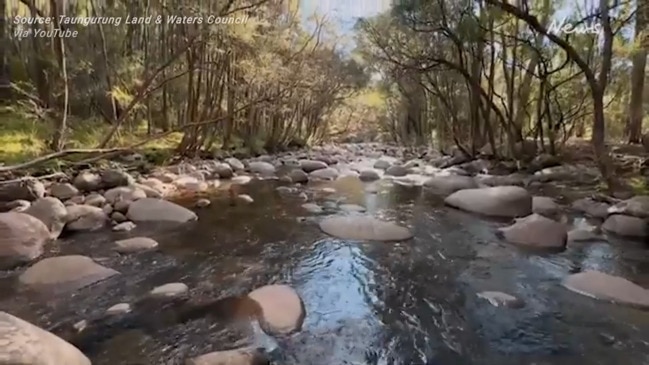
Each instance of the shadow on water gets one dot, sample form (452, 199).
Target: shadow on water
(367, 303)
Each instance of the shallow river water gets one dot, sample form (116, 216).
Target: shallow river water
(413, 302)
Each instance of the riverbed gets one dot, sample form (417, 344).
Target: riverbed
(413, 302)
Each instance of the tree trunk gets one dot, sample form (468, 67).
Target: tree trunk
(5, 86)
(639, 59)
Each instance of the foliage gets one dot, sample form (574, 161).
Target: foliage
(258, 84)
(484, 76)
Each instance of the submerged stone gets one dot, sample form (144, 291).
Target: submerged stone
(598, 285)
(364, 228)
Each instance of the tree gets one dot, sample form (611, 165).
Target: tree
(639, 59)
(493, 84)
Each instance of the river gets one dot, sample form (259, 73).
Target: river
(405, 303)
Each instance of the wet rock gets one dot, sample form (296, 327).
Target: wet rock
(261, 168)
(583, 235)
(368, 175)
(118, 217)
(241, 180)
(84, 217)
(169, 291)
(22, 238)
(351, 208)
(536, 231)
(224, 171)
(18, 206)
(244, 198)
(298, 176)
(312, 208)
(119, 308)
(498, 180)
(282, 310)
(107, 208)
(153, 192)
(95, 199)
(576, 173)
(324, 174)
(545, 206)
(499, 201)
(124, 193)
(63, 191)
(79, 199)
(416, 163)
(329, 160)
(396, 170)
(599, 285)
(285, 189)
(382, 164)
(479, 166)
(638, 206)
(627, 226)
(65, 272)
(165, 177)
(244, 356)
(135, 244)
(122, 206)
(312, 165)
(202, 203)
(190, 183)
(25, 343)
(591, 207)
(447, 185)
(543, 161)
(364, 228)
(153, 182)
(51, 212)
(124, 226)
(112, 178)
(28, 189)
(328, 190)
(235, 164)
(150, 209)
(87, 181)
(500, 299)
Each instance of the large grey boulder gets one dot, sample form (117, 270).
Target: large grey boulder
(51, 212)
(150, 209)
(22, 238)
(447, 185)
(65, 273)
(26, 344)
(599, 285)
(536, 231)
(498, 201)
(364, 228)
(627, 226)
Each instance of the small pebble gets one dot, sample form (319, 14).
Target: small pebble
(124, 227)
(119, 308)
(245, 198)
(171, 290)
(498, 299)
(202, 203)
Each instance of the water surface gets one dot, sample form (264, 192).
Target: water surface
(367, 303)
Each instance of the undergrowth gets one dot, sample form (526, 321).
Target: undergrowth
(24, 137)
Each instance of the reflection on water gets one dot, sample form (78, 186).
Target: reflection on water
(413, 302)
